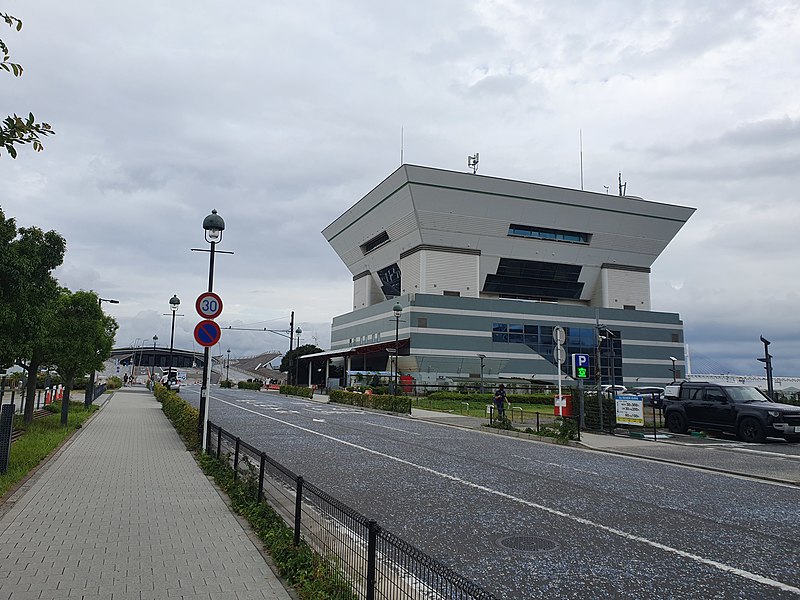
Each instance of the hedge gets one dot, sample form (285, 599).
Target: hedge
(249, 385)
(183, 415)
(295, 390)
(399, 404)
(546, 399)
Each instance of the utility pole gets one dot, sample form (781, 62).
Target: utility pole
(767, 360)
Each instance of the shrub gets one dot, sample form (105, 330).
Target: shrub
(183, 415)
(592, 412)
(249, 385)
(226, 384)
(113, 383)
(293, 390)
(311, 575)
(399, 404)
(562, 430)
(546, 399)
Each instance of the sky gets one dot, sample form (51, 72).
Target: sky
(281, 115)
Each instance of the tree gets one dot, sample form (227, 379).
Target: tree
(80, 338)
(16, 129)
(289, 364)
(27, 290)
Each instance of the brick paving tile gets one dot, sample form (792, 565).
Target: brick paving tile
(124, 512)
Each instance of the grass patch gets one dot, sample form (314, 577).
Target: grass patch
(310, 576)
(477, 407)
(40, 438)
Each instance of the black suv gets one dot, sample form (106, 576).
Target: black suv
(738, 409)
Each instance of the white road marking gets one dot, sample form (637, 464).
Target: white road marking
(553, 511)
(393, 428)
(552, 464)
(765, 453)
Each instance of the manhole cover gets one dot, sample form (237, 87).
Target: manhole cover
(527, 543)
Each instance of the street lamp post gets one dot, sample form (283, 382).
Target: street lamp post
(228, 368)
(482, 357)
(88, 396)
(153, 372)
(398, 310)
(213, 226)
(174, 303)
(298, 331)
(767, 360)
(674, 369)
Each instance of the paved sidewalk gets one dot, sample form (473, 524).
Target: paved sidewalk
(124, 512)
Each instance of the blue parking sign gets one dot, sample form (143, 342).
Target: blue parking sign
(580, 366)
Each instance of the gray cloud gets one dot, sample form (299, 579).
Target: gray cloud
(282, 116)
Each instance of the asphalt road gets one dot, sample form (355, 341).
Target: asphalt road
(585, 524)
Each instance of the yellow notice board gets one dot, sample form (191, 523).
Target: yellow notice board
(630, 410)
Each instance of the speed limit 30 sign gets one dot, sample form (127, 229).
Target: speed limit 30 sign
(208, 305)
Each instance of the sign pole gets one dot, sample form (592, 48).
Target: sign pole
(205, 393)
(559, 337)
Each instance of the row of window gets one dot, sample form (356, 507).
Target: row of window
(544, 233)
(539, 338)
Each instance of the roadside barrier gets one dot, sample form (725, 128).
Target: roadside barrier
(374, 562)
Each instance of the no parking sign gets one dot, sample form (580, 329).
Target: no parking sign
(207, 333)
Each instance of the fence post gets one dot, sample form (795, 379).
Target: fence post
(219, 441)
(298, 509)
(372, 547)
(537, 421)
(236, 461)
(6, 429)
(261, 476)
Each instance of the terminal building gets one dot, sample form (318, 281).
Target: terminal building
(483, 268)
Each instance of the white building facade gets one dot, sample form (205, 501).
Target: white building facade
(484, 268)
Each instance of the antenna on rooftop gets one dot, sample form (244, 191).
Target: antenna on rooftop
(622, 187)
(605, 186)
(580, 132)
(402, 143)
(472, 163)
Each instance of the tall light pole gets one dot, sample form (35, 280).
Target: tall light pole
(482, 357)
(228, 368)
(88, 395)
(767, 360)
(298, 331)
(609, 337)
(398, 310)
(213, 226)
(674, 369)
(153, 373)
(174, 303)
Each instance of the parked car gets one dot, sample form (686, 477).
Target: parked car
(171, 383)
(743, 410)
(650, 395)
(617, 389)
(605, 390)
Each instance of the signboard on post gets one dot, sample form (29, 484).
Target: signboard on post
(630, 410)
(208, 305)
(207, 333)
(580, 366)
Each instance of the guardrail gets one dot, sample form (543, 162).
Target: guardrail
(375, 563)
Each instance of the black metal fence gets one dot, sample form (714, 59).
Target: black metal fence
(370, 560)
